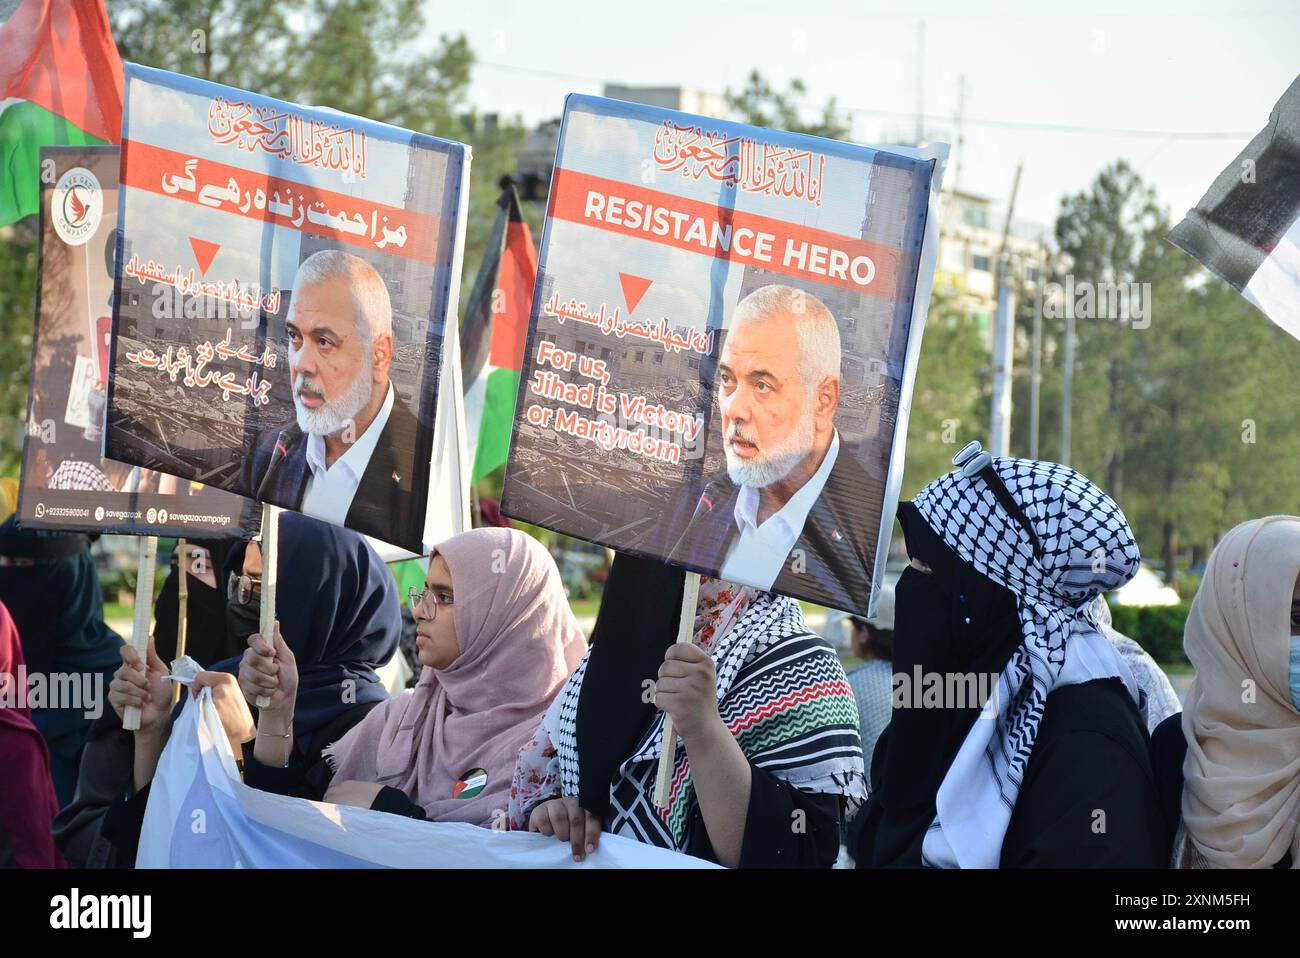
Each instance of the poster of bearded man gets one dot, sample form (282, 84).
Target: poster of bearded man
(284, 282)
(724, 336)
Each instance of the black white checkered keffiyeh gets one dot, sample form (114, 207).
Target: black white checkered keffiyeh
(81, 477)
(782, 692)
(1087, 548)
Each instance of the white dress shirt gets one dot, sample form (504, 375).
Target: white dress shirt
(758, 554)
(330, 488)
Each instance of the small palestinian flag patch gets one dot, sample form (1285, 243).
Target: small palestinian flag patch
(470, 784)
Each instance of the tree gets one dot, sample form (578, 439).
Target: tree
(760, 104)
(1183, 418)
(1107, 234)
(951, 395)
(17, 315)
(357, 56)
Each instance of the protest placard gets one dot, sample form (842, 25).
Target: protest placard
(723, 339)
(284, 282)
(65, 484)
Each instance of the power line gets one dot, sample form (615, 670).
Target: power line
(931, 117)
(1064, 127)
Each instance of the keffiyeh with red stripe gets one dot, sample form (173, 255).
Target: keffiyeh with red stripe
(782, 693)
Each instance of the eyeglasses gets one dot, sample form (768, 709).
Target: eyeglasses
(242, 588)
(428, 598)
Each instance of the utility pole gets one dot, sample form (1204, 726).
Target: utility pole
(1067, 383)
(959, 153)
(1036, 374)
(1004, 339)
(920, 82)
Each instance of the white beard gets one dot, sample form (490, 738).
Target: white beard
(774, 464)
(333, 415)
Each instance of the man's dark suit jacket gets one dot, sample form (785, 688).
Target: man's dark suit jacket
(385, 505)
(832, 559)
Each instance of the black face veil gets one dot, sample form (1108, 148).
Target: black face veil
(952, 619)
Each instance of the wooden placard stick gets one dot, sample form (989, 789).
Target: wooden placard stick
(182, 608)
(270, 560)
(685, 632)
(147, 562)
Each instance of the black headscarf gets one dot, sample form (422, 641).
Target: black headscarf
(637, 621)
(339, 613)
(57, 602)
(58, 607)
(950, 620)
(207, 640)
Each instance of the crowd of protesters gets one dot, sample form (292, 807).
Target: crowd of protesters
(1074, 753)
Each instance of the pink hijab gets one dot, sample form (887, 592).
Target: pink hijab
(519, 642)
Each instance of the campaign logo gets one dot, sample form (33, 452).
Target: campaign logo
(470, 784)
(77, 207)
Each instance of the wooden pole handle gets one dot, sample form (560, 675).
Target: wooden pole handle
(182, 609)
(146, 563)
(668, 749)
(270, 562)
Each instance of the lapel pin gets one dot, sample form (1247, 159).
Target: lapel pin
(470, 784)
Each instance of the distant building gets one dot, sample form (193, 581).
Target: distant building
(970, 236)
(536, 159)
(671, 98)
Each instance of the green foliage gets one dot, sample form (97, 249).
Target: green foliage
(763, 105)
(1185, 421)
(1124, 619)
(1160, 631)
(950, 400)
(1157, 628)
(358, 56)
(17, 317)
(1188, 585)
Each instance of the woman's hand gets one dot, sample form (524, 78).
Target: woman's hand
(358, 794)
(236, 718)
(270, 671)
(563, 818)
(144, 687)
(687, 689)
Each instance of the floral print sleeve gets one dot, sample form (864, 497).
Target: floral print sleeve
(536, 779)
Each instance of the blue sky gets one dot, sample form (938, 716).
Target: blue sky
(1160, 68)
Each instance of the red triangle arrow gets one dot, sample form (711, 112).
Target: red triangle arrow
(634, 288)
(204, 253)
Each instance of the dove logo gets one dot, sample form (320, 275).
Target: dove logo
(77, 206)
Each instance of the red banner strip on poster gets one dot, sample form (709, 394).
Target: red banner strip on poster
(310, 209)
(734, 235)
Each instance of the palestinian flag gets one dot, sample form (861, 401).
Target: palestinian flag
(493, 332)
(1246, 229)
(469, 784)
(60, 84)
